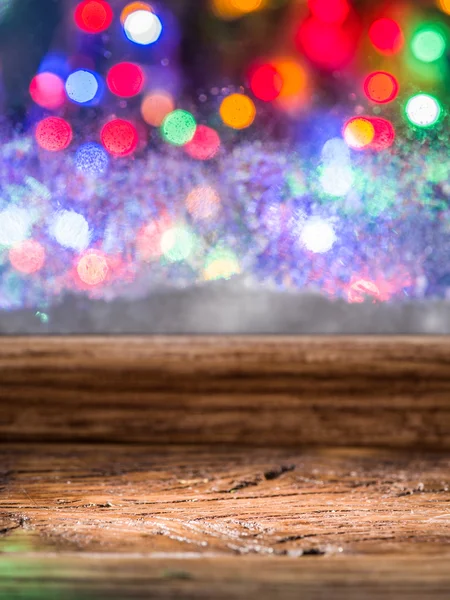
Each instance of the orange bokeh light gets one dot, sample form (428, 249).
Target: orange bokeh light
(156, 106)
(237, 111)
(359, 133)
(27, 257)
(92, 268)
(133, 7)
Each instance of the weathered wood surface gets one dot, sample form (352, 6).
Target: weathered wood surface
(272, 391)
(209, 522)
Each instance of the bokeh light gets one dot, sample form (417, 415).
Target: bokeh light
(384, 134)
(125, 79)
(71, 230)
(293, 78)
(53, 134)
(247, 6)
(358, 133)
(318, 236)
(27, 257)
(335, 151)
(328, 46)
(134, 7)
(386, 36)
(423, 110)
(92, 268)
(428, 44)
(362, 290)
(93, 16)
(204, 145)
(329, 11)
(82, 86)
(177, 244)
(91, 158)
(444, 5)
(203, 202)
(381, 87)
(336, 179)
(265, 82)
(156, 106)
(221, 263)
(178, 127)
(143, 27)
(47, 90)
(148, 240)
(237, 111)
(119, 137)
(15, 224)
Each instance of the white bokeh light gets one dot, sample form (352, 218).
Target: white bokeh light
(143, 27)
(336, 180)
(423, 110)
(318, 236)
(15, 225)
(335, 150)
(71, 230)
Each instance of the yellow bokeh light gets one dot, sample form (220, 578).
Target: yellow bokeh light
(444, 5)
(237, 111)
(247, 6)
(156, 106)
(359, 133)
(133, 7)
(233, 9)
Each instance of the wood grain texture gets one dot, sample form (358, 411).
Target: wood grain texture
(225, 523)
(274, 391)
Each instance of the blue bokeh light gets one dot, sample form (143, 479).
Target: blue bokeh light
(91, 158)
(82, 86)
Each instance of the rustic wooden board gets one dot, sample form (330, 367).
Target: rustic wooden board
(273, 391)
(209, 522)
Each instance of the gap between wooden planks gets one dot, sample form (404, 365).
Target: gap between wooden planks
(278, 391)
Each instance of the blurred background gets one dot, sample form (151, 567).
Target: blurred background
(224, 165)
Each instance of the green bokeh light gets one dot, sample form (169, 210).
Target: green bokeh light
(178, 243)
(428, 45)
(178, 127)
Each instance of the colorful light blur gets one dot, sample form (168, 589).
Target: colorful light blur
(381, 87)
(221, 264)
(265, 82)
(27, 257)
(203, 203)
(336, 179)
(178, 127)
(204, 145)
(318, 236)
(237, 111)
(359, 133)
(293, 77)
(125, 79)
(15, 225)
(327, 45)
(47, 90)
(156, 106)
(444, 5)
(234, 9)
(177, 244)
(82, 86)
(384, 134)
(134, 7)
(143, 27)
(386, 36)
(428, 44)
(71, 230)
(92, 268)
(423, 110)
(93, 16)
(329, 11)
(119, 137)
(362, 290)
(91, 159)
(149, 238)
(53, 134)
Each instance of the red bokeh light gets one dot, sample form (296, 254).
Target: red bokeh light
(327, 45)
(204, 145)
(93, 16)
(27, 257)
(329, 11)
(384, 134)
(381, 87)
(119, 137)
(53, 134)
(265, 82)
(386, 36)
(92, 268)
(363, 289)
(125, 79)
(47, 90)
(148, 240)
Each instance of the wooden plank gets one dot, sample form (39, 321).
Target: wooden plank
(256, 390)
(182, 500)
(131, 522)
